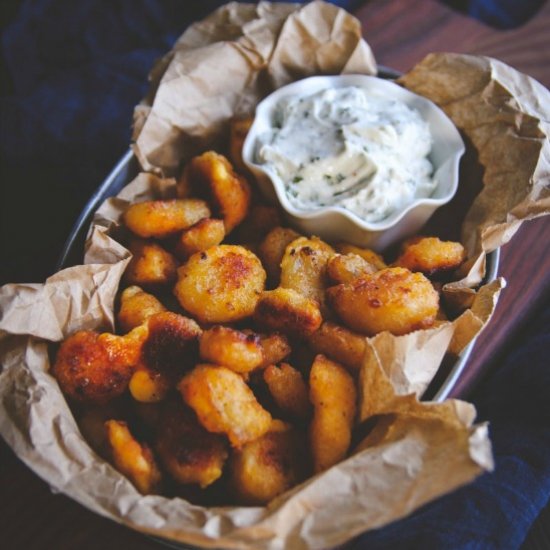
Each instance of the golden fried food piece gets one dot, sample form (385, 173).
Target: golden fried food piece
(211, 175)
(272, 249)
(260, 221)
(344, 268)
(339, 344)
(366, 253)
(220, 285)
(286, 310)
(136, 306)
(275, 348)
(95, 368)
(201, 236)
(333, 395)
(231, 348)
(189, 453)
(289, 390)
(268, 466)
(132, 459)
(148, 386)
(238, 130)
(430, 255)
(304, 266)
(91, 422)
(165, 217)
(171, 346)
(224, 403)
(392, 299)
(150, 265)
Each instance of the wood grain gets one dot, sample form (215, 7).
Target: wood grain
(401, 33)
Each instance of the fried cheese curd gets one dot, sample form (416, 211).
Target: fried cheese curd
(163, 218)
(221, 284)
(430, 255)
(268, 466)
(190, 453)
(95, 368)
(392, 299)
(131, 458)
(219, 384)
(211, 175)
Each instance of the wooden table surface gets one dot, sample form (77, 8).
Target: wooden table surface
(400, 33)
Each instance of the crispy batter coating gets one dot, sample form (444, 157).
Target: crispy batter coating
(212, 175)
(339, 344)
(344, 268)
(136, 306)
(150, 265)
(224, 403)
(231, 348)
(238, 130)
(148, 386)
(275, 347)
(430, 255)
(95, 368)
(201, 236)
(164, 217)
(189, 453)
(268, 466)
(289, 390)
(131, 458)
(272, 249)
(392, 299)
(172, 343)
(366, 253)
(333, 395)
(304, 266)
(220, 285)
(286, 310)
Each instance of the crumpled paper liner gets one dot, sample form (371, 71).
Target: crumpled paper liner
(416, 451)
(505, 116)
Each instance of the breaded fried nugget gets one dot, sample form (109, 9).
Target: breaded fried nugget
(238, 130)
(171, 346)
(189, 453)
(366, 253)
(201, 236)
(430, 255)
(344, 268)
(148, 386)
(286, 310)
(211, 175)
(164, 217)
(339, 344)
(275, 348)
(392, 299)
(150, 265)
(304, 266)
(136, 306)
(333, 395)
(268, 466)
(220, 285)
(224, 403)
(231, 348)
(131, 458)
(95, 368)
(272, 249)
(289, 390)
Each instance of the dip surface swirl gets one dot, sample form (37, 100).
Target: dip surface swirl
(349, 148)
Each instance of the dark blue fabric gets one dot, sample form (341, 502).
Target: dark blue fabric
(71, 73)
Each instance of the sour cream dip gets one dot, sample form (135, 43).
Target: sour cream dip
(350, 148)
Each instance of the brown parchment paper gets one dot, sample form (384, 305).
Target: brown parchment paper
(416, 451)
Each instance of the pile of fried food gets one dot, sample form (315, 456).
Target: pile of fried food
(233, 374)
